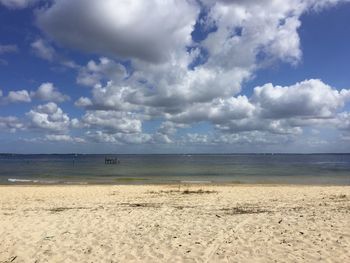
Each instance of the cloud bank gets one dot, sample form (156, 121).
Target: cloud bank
(181, 63)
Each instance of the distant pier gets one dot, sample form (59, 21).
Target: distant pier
(112, 160)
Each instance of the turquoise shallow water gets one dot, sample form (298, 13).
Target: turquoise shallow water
(141, 169)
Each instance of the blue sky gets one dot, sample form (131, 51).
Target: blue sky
(190, 76)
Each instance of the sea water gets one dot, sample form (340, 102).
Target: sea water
(333, 169)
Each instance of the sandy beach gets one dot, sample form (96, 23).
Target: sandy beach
(168, 223)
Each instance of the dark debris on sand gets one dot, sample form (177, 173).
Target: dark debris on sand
(241, 210)
(187, 191)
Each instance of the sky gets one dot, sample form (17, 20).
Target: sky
(174, 76)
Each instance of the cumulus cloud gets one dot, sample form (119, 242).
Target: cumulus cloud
(170, 128)
(48, 117)
(196, 138)
(163, 93)
(146, 30)
(254, 138)
(247, 138)
(273, 109)
(18, 96)
(152, 67)
(242, 36)
(110, 97)
(217, 111)
(83, 102)
(112, 121)
(118, 138)
(45, 92)
(93, 73)
(343, 122)
(63, 138)
(11, 123)
(128, 138)
(263, 27)
(259, 124)
(48, 92)
(309, 99)
(15, 97)
(175, 89)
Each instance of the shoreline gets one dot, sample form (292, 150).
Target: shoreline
(195, 184)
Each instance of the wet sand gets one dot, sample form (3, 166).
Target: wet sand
(168, 223)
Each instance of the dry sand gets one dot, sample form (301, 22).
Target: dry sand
(164, 224)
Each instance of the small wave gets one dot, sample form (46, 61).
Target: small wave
(16, 180)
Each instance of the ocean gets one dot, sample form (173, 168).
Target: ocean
(331, 169)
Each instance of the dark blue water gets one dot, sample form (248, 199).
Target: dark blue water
(140, 169)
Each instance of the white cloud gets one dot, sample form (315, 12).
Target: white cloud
(273, 109)
(160, 138)
(128, 138)
(254, 138)
(43, 50)
(18, 96)
(110, 97)
(48, 92)
(119, 138)
(195, 138)
(310, 99)
(11, 123)
(170, 128)
(45, 92)
(112, 121)
(259, 124)
(247, 36)
(63, 138)
(173, 89)
(151, 69)
(217, 111)
(83, 102)
(48, 117)
(343, 121)
(92, 74)
(148, 30)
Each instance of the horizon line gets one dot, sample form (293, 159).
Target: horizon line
(249, 153)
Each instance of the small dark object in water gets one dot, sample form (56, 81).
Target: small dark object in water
(112, 161)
